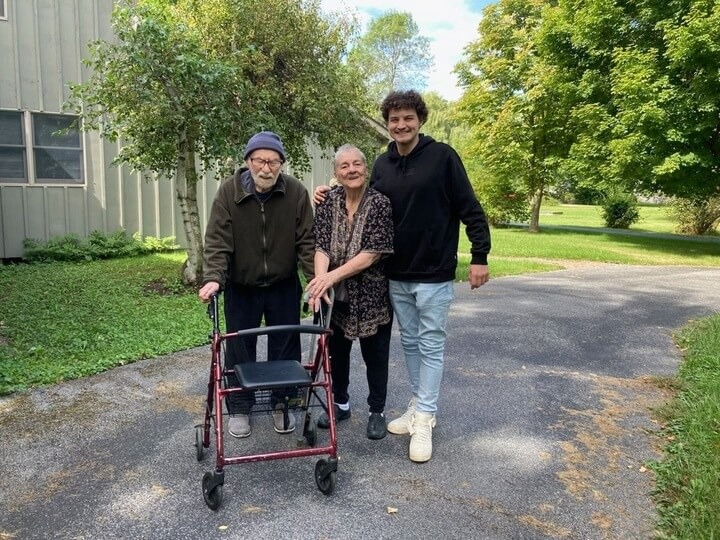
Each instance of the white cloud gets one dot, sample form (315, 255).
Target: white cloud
(450, 25)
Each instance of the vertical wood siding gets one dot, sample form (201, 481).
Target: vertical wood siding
(43, 43)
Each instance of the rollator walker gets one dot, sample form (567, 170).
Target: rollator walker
(311, 380)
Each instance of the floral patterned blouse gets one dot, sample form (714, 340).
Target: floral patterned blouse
(368, 300)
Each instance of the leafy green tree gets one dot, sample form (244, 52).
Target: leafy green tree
(185, 83)
(290, 58)
(517, 104)
(647, 114)
(443, 123)
(391, 55)
(668, 100)
(170, 105)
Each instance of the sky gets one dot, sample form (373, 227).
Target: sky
(449, 25)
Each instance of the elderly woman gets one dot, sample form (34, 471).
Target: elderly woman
(353, 232)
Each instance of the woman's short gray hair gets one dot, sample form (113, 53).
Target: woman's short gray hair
(348, 148)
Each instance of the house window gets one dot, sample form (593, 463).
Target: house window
(3, 10)
(40, 148)
(13, 160)
(57, 149)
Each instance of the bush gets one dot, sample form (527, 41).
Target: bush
(620, 211)
(696, 216)
(503, 203)
(96, 246)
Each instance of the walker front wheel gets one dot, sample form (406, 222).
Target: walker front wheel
(212, 491)
(325, 477)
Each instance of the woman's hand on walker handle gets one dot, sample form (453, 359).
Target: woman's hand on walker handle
(317, 290)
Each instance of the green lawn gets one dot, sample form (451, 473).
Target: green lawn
(558, 245)
(688, 478)
(652, 218)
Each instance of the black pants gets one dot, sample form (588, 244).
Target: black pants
(375, 352)
(245, 307)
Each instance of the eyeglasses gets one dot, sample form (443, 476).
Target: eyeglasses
(260, 163)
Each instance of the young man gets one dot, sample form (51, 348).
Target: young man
(430, 193)
(260, 226)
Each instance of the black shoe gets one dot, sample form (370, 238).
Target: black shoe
(376, 428)
(340, 415)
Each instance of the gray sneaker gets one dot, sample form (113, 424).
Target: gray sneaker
(279, 420)
(239, 426)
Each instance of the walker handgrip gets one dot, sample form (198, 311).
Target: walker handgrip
(213, 311)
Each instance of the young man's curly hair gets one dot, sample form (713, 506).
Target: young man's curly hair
(409, 99)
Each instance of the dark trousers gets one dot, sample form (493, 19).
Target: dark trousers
(375, 351)
(246, 307)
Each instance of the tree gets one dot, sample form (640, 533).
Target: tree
(647, 117)
(187, 82)
(667, 95)
(291, 58)
(443, 124)
(517, 105)
(391, 55)
(157, 92)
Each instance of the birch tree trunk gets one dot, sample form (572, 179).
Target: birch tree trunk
(186, 192)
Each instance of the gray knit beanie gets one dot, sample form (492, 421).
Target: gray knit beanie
(266, 140)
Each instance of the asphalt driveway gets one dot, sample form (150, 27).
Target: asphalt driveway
(544, 431)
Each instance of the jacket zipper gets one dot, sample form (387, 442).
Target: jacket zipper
(264, 240)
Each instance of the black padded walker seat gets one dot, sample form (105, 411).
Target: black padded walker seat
(274, 374)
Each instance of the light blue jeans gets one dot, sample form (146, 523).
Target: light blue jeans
(421, 310)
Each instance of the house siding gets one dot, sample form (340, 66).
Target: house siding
(44, 42)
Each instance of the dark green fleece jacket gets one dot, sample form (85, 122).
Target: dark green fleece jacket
(258, 243)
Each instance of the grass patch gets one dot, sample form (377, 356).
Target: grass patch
(62, 321)
(589, 246)
(652, 218)
(688, 478)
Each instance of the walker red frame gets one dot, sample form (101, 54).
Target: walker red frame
(320, 388)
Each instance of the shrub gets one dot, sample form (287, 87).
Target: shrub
(503, 202)
(696, 216)
(96, 246)
(620, 211)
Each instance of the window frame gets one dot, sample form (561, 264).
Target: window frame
(35, 147)
(3, 10)
(30, 149)
(25, 180)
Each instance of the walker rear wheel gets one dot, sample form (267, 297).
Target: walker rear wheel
(199, 439)
(310, 430)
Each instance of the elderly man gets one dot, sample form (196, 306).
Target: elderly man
(260, 227)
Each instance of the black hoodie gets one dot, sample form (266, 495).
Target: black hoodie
(430, 194)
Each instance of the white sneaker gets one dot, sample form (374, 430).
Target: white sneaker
(401, 425)
(279, 419)
(421, 440)
(239, 426)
